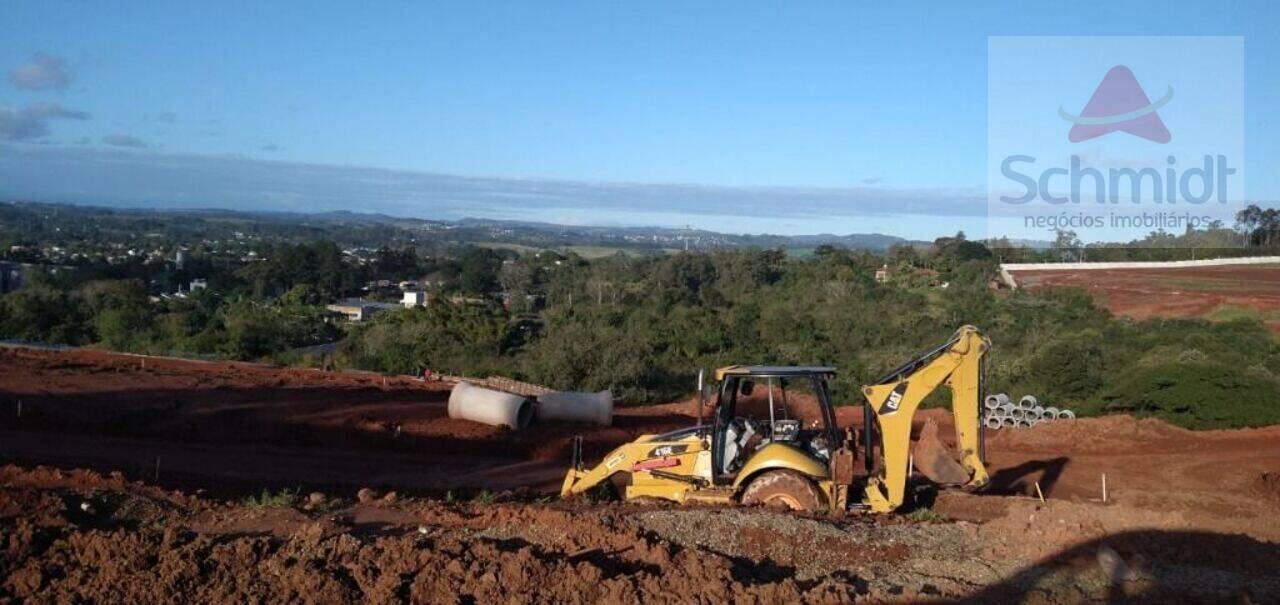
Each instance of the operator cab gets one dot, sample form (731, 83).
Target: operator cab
(759, 405)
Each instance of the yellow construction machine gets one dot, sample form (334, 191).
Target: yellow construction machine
(752, 453)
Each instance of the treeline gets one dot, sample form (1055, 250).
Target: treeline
(1260, 225)
(121, 315)
(1256, 233)
(249, 310)
(87, 227)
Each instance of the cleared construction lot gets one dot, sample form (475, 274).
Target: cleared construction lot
(174, 450)
(1224, 292)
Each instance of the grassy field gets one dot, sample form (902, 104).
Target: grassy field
(1233, 312)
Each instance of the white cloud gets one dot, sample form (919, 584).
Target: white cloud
(124, 140)
(32, 122)
(42, 72)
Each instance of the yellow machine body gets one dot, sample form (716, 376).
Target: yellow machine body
(674, 470)
(680, 466)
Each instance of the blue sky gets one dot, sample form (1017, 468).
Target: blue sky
(845, 117)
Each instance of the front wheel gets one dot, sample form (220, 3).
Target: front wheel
(783, 489)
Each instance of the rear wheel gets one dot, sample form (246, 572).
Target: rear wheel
(783, 489)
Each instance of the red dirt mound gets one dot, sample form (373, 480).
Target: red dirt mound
(1107, 434)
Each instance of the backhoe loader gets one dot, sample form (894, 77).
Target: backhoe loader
(745, 454)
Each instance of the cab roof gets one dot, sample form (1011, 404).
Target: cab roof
(766, 371)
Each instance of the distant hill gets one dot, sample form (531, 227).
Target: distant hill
(670, 237)
(375, 229)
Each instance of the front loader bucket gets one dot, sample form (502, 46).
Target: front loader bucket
(934, 459)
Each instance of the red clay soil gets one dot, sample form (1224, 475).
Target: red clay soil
(1190, 515)
(1182, 292)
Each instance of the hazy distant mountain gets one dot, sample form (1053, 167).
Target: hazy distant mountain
(371, 226)
(696, 238)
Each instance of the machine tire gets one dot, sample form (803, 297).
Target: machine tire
(783, 489)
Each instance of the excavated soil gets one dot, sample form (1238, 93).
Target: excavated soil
(391, 504)
(1181, 292)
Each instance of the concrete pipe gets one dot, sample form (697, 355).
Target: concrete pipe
(991, 402)
(1066, 415)
(1006, 409)
(578, 407)
(1017, 414)
(993, 422)
(1027, 402)
(1050, 413)
(1008, 423)
(1023, 424)
(1037, 412)
(486, 406)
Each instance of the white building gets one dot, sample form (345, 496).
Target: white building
(414, 298)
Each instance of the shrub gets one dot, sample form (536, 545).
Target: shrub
(281, 499)
(1197, 395)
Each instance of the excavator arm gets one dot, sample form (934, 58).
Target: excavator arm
(894, 398)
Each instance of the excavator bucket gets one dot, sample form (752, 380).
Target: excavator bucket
(934, 459)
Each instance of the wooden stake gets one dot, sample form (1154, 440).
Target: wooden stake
(1104, 487)
(1039, 493)
(157, 468)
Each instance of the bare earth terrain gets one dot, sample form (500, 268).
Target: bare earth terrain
(168, 450)
(1182, 292)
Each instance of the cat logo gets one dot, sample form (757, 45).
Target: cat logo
(891, 404)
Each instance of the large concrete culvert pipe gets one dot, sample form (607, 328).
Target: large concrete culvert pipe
(579, 407)
(487, 406)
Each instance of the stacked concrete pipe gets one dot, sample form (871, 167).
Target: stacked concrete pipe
(999, 411)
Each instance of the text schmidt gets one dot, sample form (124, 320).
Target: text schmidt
(1195, 185)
